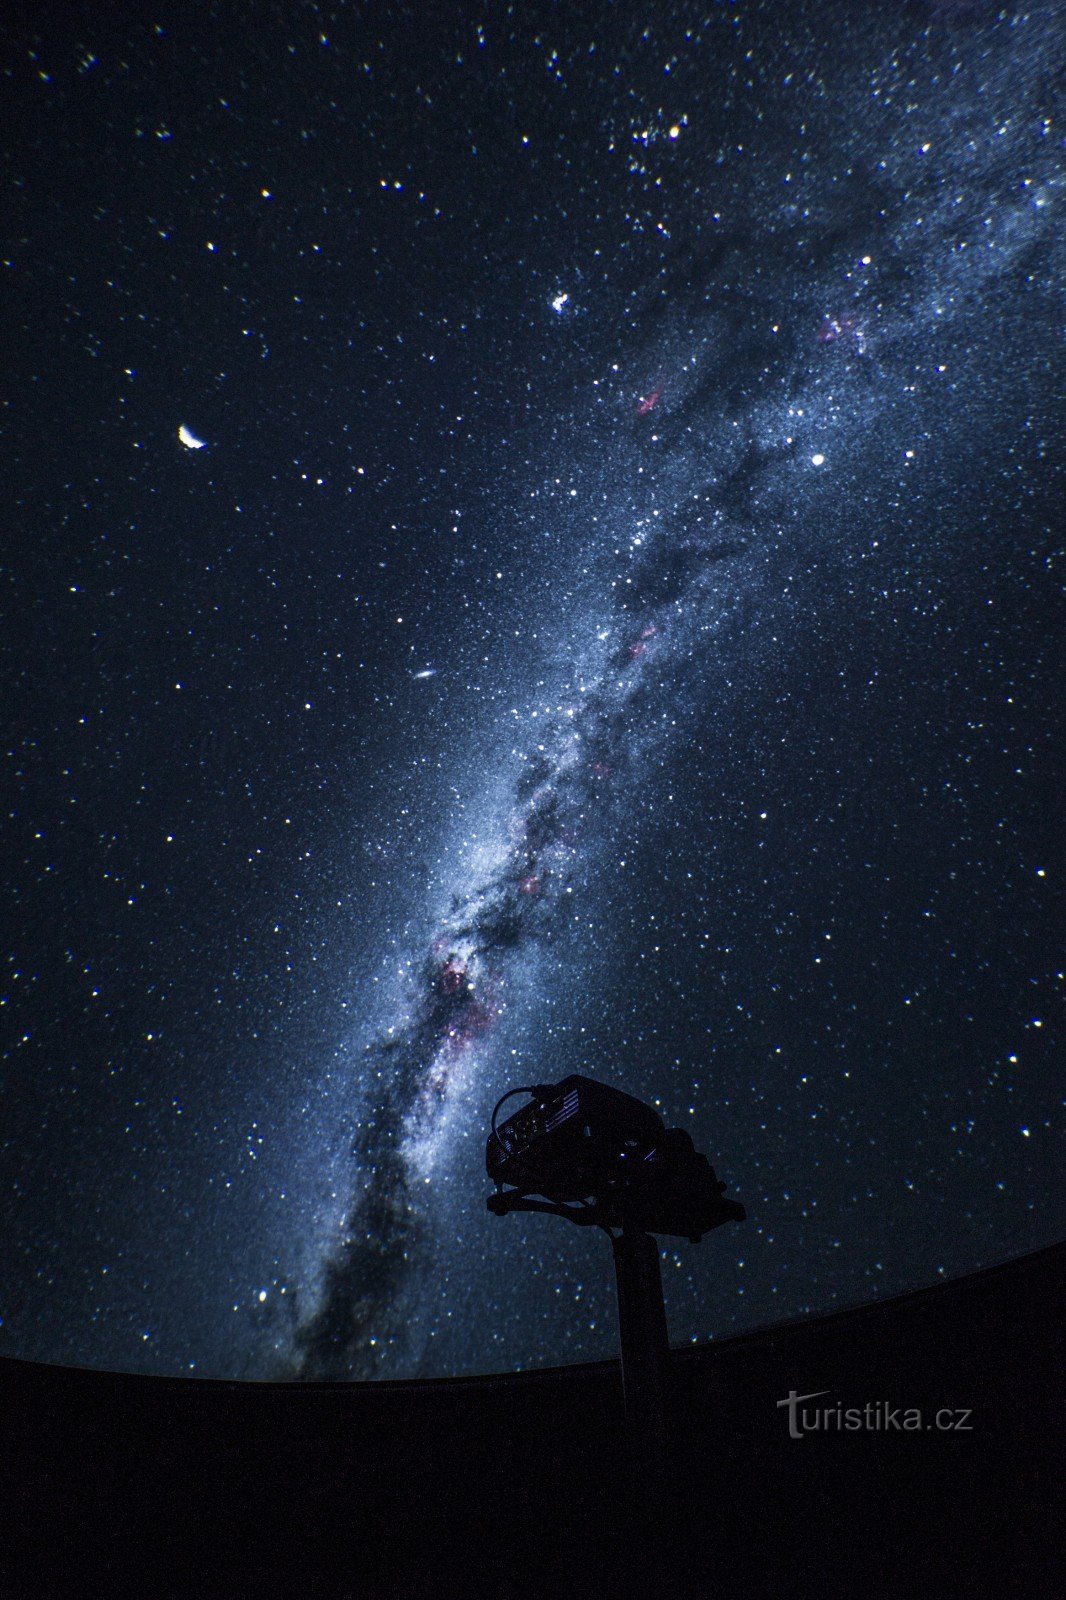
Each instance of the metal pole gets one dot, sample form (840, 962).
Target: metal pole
(645, 1356)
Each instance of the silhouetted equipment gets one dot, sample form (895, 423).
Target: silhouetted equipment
(582, 1150)
(600, 1157)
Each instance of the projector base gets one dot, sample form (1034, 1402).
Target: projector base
(646, 1373)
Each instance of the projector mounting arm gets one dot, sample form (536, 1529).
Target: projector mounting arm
(507, 1200)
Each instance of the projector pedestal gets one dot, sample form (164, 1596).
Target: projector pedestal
(587, 1152)
(645, 1346)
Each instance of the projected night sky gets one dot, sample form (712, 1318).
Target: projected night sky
(532, 545)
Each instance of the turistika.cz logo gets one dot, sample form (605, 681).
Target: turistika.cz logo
(876, 1416)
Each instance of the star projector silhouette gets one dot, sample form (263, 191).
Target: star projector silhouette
(598, 1157)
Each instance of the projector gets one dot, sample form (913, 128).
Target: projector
(605, 1158)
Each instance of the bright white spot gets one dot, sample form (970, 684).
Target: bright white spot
(817, 460)
(189, 439)
(262, 1296)
(559, 302)
(675, 132)
(427, 672)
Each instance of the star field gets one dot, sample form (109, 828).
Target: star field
(533, 546)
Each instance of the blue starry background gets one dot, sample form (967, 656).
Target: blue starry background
(600, 613)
